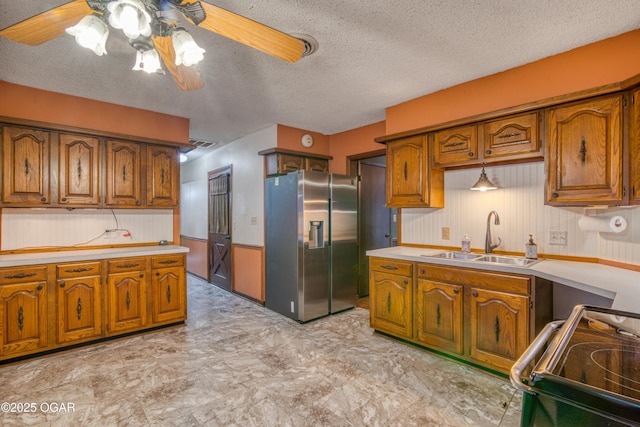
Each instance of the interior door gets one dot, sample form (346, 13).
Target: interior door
(376, 228)
(219, 228)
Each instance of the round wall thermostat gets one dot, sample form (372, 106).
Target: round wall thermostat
(307, 140)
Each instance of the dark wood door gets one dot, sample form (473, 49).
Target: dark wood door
(219, 228)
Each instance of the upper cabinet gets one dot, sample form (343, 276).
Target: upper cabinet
(585, 152)
(634, 148)
(79, 170)
(61, 169)
(505, 139)
(25, 166)
(411, 181)
(162, 176)
(280, 161)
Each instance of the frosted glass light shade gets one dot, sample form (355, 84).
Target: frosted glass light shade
(187, 51)
(91, 32)
(148, 61)
(131, 16)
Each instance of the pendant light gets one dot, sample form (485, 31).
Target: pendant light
(483, 183)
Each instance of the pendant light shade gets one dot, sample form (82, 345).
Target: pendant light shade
(148, 61)
(91, 32)
(483, 183)
(187, 51)
(131, 16)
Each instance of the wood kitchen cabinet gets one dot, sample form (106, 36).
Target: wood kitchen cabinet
(78, 301)
(634, 148)
(123, 173)
(23, 310)
(162, 176)
(391, 296)
(280, 161)
(411, 181)
(168, 289)
(127, 294)
(585, 152)
(79, 170)
(439, 314)
(455, 145)
(25, 166)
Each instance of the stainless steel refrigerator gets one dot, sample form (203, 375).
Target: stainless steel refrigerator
(311, 251)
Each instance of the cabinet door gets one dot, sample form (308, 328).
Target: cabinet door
(585, 152)
(634, 148)
(25, 166)
(162, 176)
(499, 324)
(515, 136)
(127, 301)
(23, 317)
(78, 303)
(123, 174)
(439, 315)
(169, 299)
(79, 168)
(320, 165)
(455, 145)
(390, 303)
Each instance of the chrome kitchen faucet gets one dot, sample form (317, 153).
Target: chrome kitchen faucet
(489, 246)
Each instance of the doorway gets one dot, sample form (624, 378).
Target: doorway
(220, 272)
(377, 227)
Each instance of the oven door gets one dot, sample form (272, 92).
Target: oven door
(589, 372)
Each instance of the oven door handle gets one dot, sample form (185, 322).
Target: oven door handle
(515, 375)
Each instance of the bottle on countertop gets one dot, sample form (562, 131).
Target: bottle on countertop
(531, 249)
(466, 244)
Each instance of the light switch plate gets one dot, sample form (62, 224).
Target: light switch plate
(557, 237)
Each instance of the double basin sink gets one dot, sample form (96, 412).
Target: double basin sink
(486, 258)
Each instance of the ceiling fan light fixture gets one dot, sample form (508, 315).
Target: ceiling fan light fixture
(148, 61)
(131, 16)
(187, 51)
(91, 32)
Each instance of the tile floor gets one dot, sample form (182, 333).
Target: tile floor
(238, 364)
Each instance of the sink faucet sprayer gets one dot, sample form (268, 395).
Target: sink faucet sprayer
(488, 245)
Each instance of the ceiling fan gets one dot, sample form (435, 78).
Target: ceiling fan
(152, 29)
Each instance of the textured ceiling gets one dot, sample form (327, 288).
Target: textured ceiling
(372, 54)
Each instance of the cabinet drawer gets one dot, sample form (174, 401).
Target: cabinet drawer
(512, 136)
(167, 261)
(455, 145)
(500, 282)
(391, 266)
(65, 271)
(127, 264)
(23, 275)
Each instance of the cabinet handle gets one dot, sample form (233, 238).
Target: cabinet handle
(39, 288)
(509, 135)
(406, 282)
(496, 329)
(20, 318)
(162, 177)
(20, 276)
(78, 270)
(157, 274)
(127, 265)
(470, 153)
(438, 315)
(128, 300)
(124, 173)
(62, 285)
(475, 294)
(554, 195)
(64, 199)
(141, 276)
(168, 294)
(456, 291)
(79, 308)
(453, 144)
(583, 151)
(389, 302)
(43, 199)
(389, 267)
(79, 170)
(488, 152)
(27, 166)
(405, 171)
(168, 261)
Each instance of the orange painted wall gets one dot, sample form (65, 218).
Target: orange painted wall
(197, 256)
(289, 138)
(248, 271)
(607, 61)
(354, 141)
(27, 103)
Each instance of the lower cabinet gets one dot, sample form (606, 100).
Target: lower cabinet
(51, 306)
(391, 296)
(486, 318)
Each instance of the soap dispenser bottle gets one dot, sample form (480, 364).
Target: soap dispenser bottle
(531, 249)
(466, 244)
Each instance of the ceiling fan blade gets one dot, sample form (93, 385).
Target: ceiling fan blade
(251, 33)
(187, 78)
(47, 25)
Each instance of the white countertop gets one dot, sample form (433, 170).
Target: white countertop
(88, 254)
(623, 286)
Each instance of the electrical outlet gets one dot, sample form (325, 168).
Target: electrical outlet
(558, 237)
(254, 220)
(445, 233)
